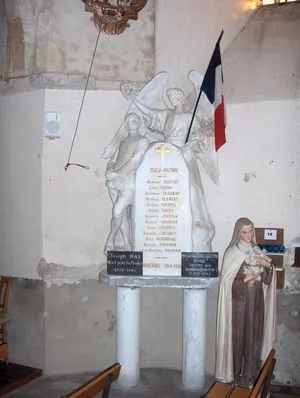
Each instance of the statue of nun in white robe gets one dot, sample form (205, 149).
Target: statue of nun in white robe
(246, 319)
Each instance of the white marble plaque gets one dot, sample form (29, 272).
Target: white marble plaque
(162, 218)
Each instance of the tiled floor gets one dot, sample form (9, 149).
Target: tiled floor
(155, 383)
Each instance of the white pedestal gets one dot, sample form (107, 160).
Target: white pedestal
(194, 332)
(128, 319)
(128, 335)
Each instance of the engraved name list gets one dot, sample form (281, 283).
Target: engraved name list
(162, 210)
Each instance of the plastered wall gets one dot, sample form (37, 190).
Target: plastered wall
(21, 118)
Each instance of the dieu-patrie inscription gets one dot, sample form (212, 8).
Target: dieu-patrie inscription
(162, 215)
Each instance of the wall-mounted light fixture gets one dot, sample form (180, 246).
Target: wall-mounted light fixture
(270, 2)
(251, 5)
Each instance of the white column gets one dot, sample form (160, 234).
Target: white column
(128, 335)
(194, 328)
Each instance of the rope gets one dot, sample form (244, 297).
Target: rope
(80, 110)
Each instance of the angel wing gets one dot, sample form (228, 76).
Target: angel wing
(150, 95)
(203, 136)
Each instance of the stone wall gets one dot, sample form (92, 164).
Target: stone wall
(52, 42)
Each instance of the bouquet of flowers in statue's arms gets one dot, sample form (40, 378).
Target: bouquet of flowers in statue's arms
(253, 267)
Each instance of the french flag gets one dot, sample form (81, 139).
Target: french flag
(212, 85)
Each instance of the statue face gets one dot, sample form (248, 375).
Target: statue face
(175, 95)
(246, 233)
(133, 122)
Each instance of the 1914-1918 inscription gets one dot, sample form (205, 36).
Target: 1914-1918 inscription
(199, 265)
(125, 263)
(162, 213)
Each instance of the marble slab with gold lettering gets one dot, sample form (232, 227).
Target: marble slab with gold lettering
(162, 218)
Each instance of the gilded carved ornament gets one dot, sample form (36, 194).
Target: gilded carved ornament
(111, 16)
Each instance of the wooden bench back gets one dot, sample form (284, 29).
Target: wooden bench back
(262, 384)
(99, 383)
(5, 285)
(260, 389)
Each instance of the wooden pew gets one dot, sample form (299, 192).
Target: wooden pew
(219, 390)
(262, 385)
(259, 390)
(101, 382)
(5, 287)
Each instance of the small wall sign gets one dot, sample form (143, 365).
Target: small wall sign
(125, 263)
(52, 125)
(270, 234)
(199, 265)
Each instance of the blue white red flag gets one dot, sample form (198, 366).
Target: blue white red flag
(212, 85)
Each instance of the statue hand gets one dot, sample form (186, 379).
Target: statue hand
(129, 90)
(263, 262)
(147, 119)
(249, 278)
(108, 152)
(191, 145)
(112, 146)
(111, 174)
(203, 143)
(198, 144)
(110, 165)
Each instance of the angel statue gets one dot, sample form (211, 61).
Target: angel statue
(166, 116)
